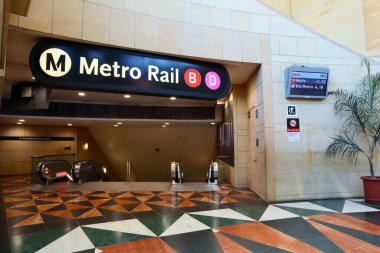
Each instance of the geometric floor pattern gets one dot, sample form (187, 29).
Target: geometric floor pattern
(229, 220)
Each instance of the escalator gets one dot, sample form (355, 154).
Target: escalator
(61, 170)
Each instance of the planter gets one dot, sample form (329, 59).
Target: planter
(371, 189)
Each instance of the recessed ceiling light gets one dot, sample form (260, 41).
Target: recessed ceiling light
(212, 123)
(173, 98)
(127, 96)
(19, 123)
(69, 124)
(21, 120)
(116, 125)
(119, 123)
(163, 126)
(82, 94)
(167, 123)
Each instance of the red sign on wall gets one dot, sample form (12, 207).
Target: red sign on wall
(293, 124)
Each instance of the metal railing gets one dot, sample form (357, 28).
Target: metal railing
(224, 172)
(131, 173)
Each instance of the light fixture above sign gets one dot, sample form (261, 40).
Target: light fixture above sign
(77, 66)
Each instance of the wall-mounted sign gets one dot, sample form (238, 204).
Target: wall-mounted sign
(292, 110)
(68, 65)
(293, 124)
(294, 137)
(304, 82)
(35, 138)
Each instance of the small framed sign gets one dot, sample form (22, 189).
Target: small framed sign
(294, 137)
(291, 110)
(293, 124)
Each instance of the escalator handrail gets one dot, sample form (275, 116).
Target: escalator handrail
(131, 168)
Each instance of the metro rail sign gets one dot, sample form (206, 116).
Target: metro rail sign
(68, 65)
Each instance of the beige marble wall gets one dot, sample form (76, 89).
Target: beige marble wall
(178, 27)
(94, 152)
(371, 11)
(261, 133)
(15, 156)
(283, 6)
(62, 12)
(341, 20)
(241, 136)
(256, 157)
(352, 23)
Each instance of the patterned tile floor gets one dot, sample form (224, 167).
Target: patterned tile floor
(229, 220)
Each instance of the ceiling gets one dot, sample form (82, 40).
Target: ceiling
(17, 70)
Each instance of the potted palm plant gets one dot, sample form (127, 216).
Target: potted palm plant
(360, 134)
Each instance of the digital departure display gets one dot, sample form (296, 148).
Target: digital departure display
(302, 82)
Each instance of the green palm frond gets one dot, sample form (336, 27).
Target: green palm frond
(351, 107)
(360, 110)
(345, 146)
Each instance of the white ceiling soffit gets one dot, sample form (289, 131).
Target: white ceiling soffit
(100, 123)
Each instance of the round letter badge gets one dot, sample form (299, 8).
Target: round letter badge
(55, 62)
(212, 80)
(193, 78)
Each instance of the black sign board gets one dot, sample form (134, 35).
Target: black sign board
(303, 82)
(69, 65)
(35, 138)
(293, 124)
